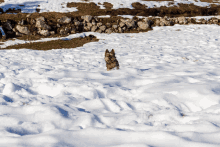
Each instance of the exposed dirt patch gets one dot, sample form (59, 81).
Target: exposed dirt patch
(55, 44)
(210, 1)
(107, 5)
(2, 1)
(142, 10)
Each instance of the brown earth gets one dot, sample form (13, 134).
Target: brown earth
(2, 1)
(55, 44)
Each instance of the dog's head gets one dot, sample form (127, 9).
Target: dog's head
(107, 53)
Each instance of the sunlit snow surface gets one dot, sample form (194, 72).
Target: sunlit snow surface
(29, 6)
(166, 92)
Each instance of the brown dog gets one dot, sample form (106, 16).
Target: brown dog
(110, 59)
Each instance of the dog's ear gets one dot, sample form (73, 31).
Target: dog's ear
(106, 51)
(113, 51)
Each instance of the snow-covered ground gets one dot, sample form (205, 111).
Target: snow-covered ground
(165, 94)
(29, 6)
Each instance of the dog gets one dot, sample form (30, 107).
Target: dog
(110, 59)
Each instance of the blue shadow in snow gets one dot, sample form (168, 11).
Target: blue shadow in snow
(27, 7)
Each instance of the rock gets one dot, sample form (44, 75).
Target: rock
(157, 22)
(182, 20)
(64, 19)
(40, 23)
(32, 21)
(40, 18)
(120, 30)
(99, 31)
(44, 32)
(28, 15)
(114, 26)
(52, 33)
(102, 28)
(109, 31)
(77, 23)
(128, 22)
(94, 28)
(93, 22)
(58, 25)
(22, 22)
(99, 24)
(73, 31)
(86, 28)
(143, 25)
(22, 29)
(89, 25)
(18, 34)
(108, 25)
(87, 18)
(7, 25)
(121, 24)
(64, 31)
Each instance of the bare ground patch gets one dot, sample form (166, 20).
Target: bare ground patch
(55, 44)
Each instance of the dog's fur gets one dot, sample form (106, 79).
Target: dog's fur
(110, 59)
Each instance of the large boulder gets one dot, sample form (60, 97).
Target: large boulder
(23, 29)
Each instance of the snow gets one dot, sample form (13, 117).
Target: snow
(30, 6)
(166, 92)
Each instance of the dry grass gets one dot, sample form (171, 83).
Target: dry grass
(55, 44)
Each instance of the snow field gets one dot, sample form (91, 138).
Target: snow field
(166, 92)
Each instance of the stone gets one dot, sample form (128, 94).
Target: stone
(22, 22)
(99, 24)
(114, 26)
(89, 25)
(64, 19)
(18, 34)
(120, 30)
(182, 20)
(73, 31)
(40, 18)
(41, 24)
(77, 23)
(130, 24)
(143, 25)
(121, 24)
(93, 22)
(102, 28)
(99, 31)
(64, 31)
(22, 29)
(52, 32)
(87, 18)
(94, 28)
(44, 32)
(7, 25)
(108, 31)
(108, 25)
